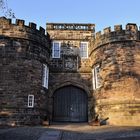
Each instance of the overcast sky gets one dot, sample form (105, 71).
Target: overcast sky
(103, 13)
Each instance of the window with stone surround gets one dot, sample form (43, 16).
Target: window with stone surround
(31, 101)
(84, 49)
(56, 47)
(96, 79)
(45, 76)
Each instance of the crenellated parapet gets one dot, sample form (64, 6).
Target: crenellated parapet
(24, 50)
(20, 30)
(115, 59)
(119, 34)
(27, 41)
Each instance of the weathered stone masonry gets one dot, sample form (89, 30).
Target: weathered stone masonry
(70, 69)
(24, 50)
(117, 53)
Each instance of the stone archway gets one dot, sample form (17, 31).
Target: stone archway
(70, 104)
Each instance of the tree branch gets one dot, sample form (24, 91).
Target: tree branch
(5, 10)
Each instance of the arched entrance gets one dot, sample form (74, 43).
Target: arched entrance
(70, 105)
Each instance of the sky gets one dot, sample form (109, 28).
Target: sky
(102, 13)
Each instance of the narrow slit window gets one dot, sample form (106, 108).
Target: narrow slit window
(96, 77)
(45, 76)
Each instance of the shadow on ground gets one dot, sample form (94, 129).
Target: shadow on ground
(70, 132)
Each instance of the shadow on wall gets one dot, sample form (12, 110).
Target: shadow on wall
(67, 71)
(20, 76)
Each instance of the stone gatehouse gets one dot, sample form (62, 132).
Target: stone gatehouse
(68, 73)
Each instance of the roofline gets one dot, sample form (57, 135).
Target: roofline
(53, 23)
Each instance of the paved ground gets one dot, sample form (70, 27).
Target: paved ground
(70, 132)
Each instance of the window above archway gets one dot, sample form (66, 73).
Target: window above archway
(56, 47)
(84, 50)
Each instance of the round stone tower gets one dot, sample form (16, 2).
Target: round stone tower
(24, 52)
(116, 75)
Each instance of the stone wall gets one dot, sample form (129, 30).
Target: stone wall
(70, 69)
(23, 51)
(117, 53)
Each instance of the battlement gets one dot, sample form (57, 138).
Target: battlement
(130, 32)
(20, 30)
(20, 40)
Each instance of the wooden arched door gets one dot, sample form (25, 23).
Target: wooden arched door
(70, 105)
